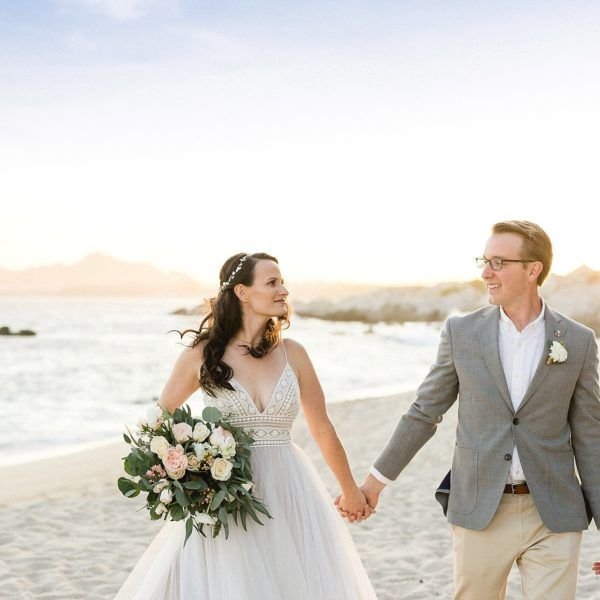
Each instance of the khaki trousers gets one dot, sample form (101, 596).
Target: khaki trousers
(548, 562)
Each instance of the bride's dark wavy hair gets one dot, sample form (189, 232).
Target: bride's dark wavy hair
(224, 320)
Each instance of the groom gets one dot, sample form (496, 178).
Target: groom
(529, 410)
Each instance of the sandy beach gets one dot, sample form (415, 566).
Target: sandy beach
(66, 533)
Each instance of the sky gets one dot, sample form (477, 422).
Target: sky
(372, 141)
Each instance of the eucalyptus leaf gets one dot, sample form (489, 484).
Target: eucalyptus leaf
(181, 497)
(263, 509)
(189, 526)
(176, 512)
(223, 519)
(126, 485)
(196, 484)
(131, 465)
(216, 501)
(212, 414)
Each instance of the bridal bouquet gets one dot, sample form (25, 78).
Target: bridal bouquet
(193, 469)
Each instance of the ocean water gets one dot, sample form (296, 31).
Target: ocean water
(96, 364)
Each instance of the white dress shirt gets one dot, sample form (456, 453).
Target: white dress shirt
(520, 354)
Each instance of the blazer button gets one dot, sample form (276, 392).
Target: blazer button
(515, 421)
(507, 457)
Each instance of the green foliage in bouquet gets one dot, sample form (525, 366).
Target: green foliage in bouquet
(193, 469)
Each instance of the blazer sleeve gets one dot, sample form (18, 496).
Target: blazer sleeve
(584, 419)
(435, 396)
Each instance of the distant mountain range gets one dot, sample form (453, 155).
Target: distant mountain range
(99, 275)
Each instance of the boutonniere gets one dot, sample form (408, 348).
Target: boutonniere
(557, 353)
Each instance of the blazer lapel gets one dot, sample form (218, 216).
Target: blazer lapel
(553, 332)
(488, 337)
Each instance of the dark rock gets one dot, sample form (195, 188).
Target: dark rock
(24, 332)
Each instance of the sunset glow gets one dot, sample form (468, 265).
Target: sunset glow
(357, 142)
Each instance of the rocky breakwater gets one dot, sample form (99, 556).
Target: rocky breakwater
(577, 295)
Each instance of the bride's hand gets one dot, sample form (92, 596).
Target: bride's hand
(353, 505)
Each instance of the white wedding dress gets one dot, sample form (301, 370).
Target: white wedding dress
(304, 552)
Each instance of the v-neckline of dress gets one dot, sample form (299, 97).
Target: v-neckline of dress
(262, 412)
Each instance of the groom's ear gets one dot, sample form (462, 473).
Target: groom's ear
(535, 268)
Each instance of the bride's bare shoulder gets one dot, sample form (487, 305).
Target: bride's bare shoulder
(193, 354)
(296, 352)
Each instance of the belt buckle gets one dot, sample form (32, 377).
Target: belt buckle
(514, 487)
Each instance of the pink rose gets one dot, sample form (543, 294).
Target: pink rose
(175, 461)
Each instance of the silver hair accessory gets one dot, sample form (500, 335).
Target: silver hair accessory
(227, 283)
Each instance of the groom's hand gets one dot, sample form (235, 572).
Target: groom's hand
(372, 489)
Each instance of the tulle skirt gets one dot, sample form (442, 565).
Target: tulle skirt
(304, 553)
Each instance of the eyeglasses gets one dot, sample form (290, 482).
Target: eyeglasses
(497, 263)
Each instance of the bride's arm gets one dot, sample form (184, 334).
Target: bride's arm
(183, 380)
(323, 431)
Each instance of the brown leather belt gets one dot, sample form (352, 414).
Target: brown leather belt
(516, 488)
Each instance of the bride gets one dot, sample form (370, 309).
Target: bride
(258, 380)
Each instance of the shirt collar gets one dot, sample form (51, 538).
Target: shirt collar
(508, 325)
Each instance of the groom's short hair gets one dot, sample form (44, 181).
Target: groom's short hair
(536, 243)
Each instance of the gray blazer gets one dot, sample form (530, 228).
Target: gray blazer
(556, 425)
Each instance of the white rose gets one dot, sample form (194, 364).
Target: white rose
(204, 518)
(193, 462)
(142, 422)
(201, 432)
(221, 469)
(558, 353)
(219, 436)
(160, 485)
(182, 432)
(248, 486)
(154, 416)
(227, 448)
(159, 445)
(160, 509)
(166, 496)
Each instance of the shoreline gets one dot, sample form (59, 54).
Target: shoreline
(69, 534)
(79, 447)
(88, 462)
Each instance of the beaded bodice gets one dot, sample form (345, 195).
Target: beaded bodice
(272, 426)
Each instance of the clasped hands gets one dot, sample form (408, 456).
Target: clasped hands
(359, 503)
